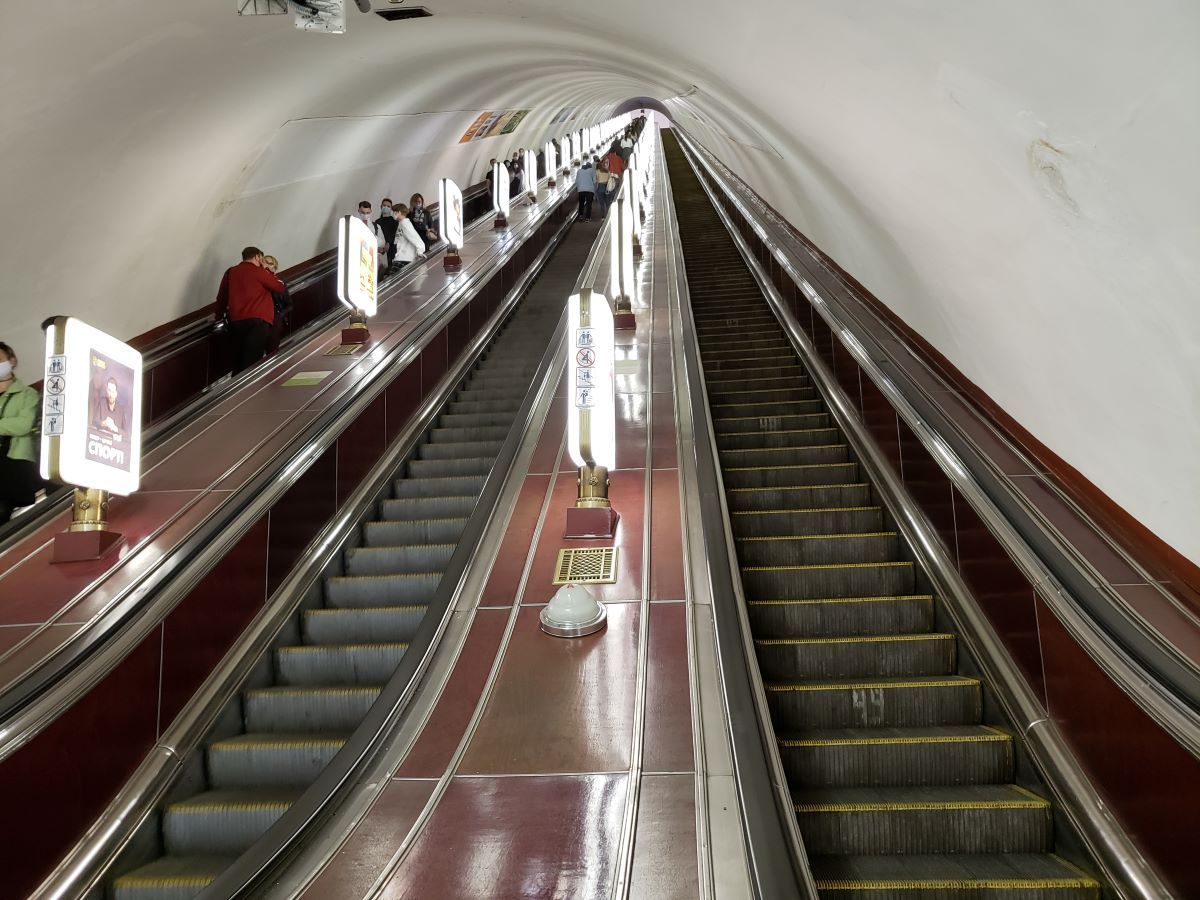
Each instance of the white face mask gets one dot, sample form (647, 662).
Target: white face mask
(6, 370)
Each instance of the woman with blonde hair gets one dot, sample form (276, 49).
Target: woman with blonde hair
(283, 308)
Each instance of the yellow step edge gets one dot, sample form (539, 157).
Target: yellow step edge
(163, 882)
(802, 509)
(816, 601)
(846, 536)
(304, 692)
(954, 884)
(788, 467)
(873, 685)
(800, 487)
(231, 744)
(416, 521)
(780, 449)
(783, 431)
(407, 546)
(748, 418)
(185, 807)
(921, 806)
(997, 738)
(874, 565)
(317, 648)
(326, 611)
(757, 391)
(864, 639)
(397, 575)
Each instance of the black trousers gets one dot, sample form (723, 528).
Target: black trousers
(249, 338)
(585, 204)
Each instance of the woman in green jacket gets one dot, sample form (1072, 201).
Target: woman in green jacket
(18, 417)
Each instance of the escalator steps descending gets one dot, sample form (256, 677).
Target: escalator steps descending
(899, 787)
(343, 651)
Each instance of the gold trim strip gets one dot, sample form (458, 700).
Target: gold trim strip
(820, 600)
(951, 884)
(895, 741)
(875, 565)
(919, 806)
(818, 537)
(860, 639)
(961, 681)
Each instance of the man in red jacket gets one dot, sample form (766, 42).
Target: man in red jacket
(245, 297)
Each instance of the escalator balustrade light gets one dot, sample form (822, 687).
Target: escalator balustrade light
(572, 612)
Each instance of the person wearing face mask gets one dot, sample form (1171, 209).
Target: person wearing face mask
(18, 421)
(245, 299)
(409, 245)
(387, 223)
(422, 220)
(364, 213)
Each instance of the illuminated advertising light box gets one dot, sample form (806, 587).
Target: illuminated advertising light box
(450, 202)
(501, 201)
(551, 159)
(358, 266)
(531, 175)
(591, 414)
(622, 274)
(633, 192)
(91, 409)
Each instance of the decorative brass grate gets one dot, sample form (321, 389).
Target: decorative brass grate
(589, 565)
(345, 350)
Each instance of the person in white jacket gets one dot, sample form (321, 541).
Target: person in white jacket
(364, 213)
(409, 245)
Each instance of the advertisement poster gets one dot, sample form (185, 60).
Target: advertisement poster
(469, 134)
(492, 123)
(450, 200)
(567, 112)
(110, 412)
(515, 120)
(488, 126)
(358, 250)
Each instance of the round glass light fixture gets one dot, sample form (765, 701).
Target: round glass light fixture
(573, 612)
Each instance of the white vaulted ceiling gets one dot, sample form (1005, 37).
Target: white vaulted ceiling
(1016, 180)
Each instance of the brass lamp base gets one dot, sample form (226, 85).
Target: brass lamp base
(592, 516)
(88, 537)
(356, 332)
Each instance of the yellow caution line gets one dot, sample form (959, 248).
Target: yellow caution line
(748, 418)
(248, 805)
(318, 648)
(326, 611)
(416, 521)
(820, 600)
(802, 509)
(781, 431)
(873, 685)
(163, 882)
(233, 745)
(953, 884)
(920, 806)
(874, 565)
(782, 449)
(308, 692)
(396, 575)
(801, 487)
(893, 741)
(394, 547)
(818, 537)
(864, 639)
(789, 466)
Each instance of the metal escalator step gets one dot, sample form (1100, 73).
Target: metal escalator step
(1011, 876)
(782, 457)
(771, 345)
(471, 407)
(347, 591)
(881, 579)
(767, 380)
(895, 757)
(828, 520)
(443, 486)
(474, 420)
(362, 624)
(799, 475)
(170, 878)
(404, 559)
(465, 449)
(721, 413)
(728, 426)
(269, 760)
(861, 656)
(1002, 818)
(307, 709)
(478, 433)
(491, 394)
(801, 496)
(450, 468)
(737, 322)
(875, 702)
(777, 438)
(841, 616)
(446, 506)
(414, 531)
(763, 363)
(818, 549)
(331, 664)
(222, 823)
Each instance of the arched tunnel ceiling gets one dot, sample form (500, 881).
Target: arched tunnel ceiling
(1016, 181)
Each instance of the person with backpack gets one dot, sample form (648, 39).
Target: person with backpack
(19, 409)
(585, 184)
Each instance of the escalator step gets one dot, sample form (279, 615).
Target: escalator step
(426, 470)
(507, 408)
(478, 433)
(798, 497)
(777, 438)
(841, 616)
(362, 624)
(381, 590)
(307, 709)
(431, 507)
(754, 366)
(450, 486)
(895, 757)
(332, 664)
(414, 531)
(405, 559)
(222, 823)
(462, 450)
(791, 476)
(727, 396)
(474, 420)
(170, 878)
(731, 425)
(740, 411)
(818, 549)
(783, 457)
(915, 877)
(827, 520)
(865, 656)
(772, 346)
(269, 760)
(981, 819)
(884, 579)
(876, 703)
(769, 379)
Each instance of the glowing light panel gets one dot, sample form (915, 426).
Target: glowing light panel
(450, 203)
(358, 265)
(591, 411)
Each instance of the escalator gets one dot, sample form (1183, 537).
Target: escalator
(900, 786)
(330, 663)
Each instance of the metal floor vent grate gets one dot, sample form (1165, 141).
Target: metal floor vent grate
(409, 12)
(586, 566)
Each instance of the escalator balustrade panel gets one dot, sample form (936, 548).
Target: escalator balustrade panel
(330, 667)
(899, 786)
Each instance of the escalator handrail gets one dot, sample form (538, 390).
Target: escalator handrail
(778, 867)
(111, 833)
(276, 845)
(58, 499)
(1132, 653)
(1125, 867)
(49, 689)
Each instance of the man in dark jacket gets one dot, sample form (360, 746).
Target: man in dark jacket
(388, 223)
(245, 299)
